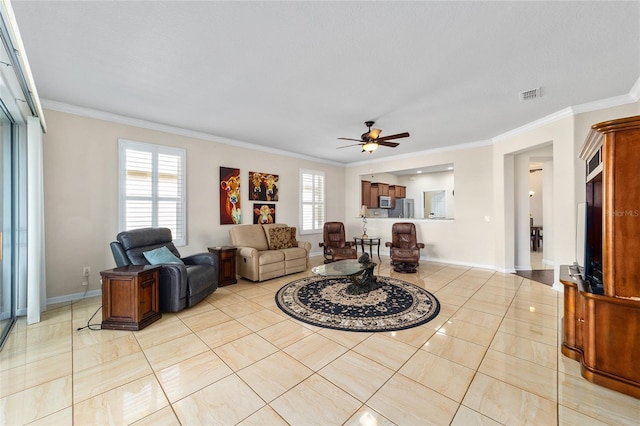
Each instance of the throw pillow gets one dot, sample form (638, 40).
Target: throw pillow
(280, 238)
(161, 255)
(294, 231)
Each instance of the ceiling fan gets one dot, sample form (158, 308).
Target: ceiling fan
(371, 139)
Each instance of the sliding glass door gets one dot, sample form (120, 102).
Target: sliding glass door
(7, 214)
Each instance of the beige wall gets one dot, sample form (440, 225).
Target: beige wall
(81, 193)
(566, 136)
(465, 240)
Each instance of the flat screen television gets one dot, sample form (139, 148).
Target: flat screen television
(581, 235)
(593, 235)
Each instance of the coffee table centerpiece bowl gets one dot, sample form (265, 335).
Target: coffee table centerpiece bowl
(363, 279)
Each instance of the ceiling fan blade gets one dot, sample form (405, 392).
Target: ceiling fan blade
(349, 139)
(347, 146)
(397, 136)
(389, 144)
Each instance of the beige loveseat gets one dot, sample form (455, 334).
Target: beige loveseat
(268, 251)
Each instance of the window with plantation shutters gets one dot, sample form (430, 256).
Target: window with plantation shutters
(152, 188)
(312, 206)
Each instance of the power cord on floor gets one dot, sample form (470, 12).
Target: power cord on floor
(92, 326)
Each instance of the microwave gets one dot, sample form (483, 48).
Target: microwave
(384, 202)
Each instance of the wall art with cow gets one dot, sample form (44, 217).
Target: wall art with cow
(230, 212)
(264, 213)
(263, 186)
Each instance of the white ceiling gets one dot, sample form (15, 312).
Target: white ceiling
(295, 76)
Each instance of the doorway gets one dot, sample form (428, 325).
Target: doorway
(533, 213)
(536, 216)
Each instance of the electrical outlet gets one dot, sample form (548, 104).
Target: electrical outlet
(85, 283)
(86, 271)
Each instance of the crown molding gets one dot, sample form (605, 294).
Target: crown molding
(551, 118)
(150, 125)
(635, 91)
(607, 103)
(438, 150)
(631, 97)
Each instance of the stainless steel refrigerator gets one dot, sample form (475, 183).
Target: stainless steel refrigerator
(404, 208)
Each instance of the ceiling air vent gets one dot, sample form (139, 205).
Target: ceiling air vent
(529, 95)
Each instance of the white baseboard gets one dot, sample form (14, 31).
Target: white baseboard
(523, 268)
(73, 297)
(458, 263)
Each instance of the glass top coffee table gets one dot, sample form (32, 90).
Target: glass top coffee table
(362, 277)
(340, 268)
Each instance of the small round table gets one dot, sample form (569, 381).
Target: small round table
(367, 241)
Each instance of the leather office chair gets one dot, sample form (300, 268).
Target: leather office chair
(335, 245)
(181, 284)
(404, 247)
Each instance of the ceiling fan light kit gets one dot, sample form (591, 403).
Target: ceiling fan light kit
(371, 140)
(369, 147)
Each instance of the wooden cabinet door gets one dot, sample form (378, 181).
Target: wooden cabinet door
(149, 303)
(621, 157)
(366, 193)
(375, 193)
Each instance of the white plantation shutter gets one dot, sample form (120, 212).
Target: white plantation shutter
(312, 196)
(152, 188)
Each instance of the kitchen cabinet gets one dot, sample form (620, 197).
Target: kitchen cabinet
(366, 194)
(383, 188)
(399, 190)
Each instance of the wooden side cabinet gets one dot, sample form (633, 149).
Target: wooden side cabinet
(130, 298)
(602, 333)
(602, 303)
(226, 264)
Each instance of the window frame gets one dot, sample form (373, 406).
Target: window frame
(313, 203)
(180, 235)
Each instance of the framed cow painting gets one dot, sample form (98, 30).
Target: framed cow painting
(264, 213)
(230, 212)
(263, 186)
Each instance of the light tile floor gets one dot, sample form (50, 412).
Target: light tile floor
(490, 357)
(537, 262)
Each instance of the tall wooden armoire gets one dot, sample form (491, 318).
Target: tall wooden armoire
(602, 303)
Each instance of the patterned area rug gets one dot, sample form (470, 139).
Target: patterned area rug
(323, 301)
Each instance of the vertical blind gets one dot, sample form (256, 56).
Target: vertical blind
(312, 209)
(152, 188)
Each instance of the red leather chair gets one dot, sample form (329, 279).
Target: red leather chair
(404, 247)
(335, 245)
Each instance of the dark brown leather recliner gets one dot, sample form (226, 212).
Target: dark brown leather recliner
(335, 245)
(181, 285)
(404, 247)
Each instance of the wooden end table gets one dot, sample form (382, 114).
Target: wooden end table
(130, 297)
(226, 264)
